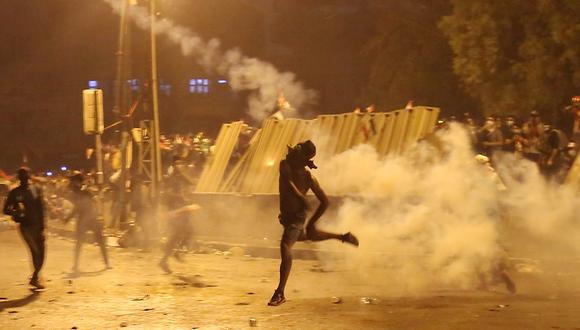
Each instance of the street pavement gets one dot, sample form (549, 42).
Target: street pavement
(230, 290)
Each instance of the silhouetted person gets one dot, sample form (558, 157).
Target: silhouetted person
(25, 205)
(294, 182)
(491, 137)
(85, 211)
(533, 133)
(178, 217)
(142, 204)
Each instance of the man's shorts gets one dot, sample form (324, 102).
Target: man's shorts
(293, 234)
(293, 228)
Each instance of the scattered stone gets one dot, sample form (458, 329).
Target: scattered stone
(264, 280)
(52, 300)
(251, 293)
(12, 312)
(336, 300)
(3, 298)
(74, 328)
(148, 309)
(123, 324)
(141, 299)
(70, 292)
(253, 322)
(502, 306)
(242, 304)
(367, 300)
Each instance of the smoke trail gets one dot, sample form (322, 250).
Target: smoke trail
(434, 218)
(244, 73)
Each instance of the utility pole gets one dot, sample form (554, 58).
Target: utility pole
(156, 176)
(121, 109)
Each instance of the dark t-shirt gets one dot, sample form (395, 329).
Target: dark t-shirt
(175, 192)
(25, 205)
(291, 206)
(508, 134)
(557, 140)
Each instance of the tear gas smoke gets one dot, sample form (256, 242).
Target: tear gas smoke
(244, 73)
(434, 218)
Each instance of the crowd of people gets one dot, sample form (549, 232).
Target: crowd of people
(552, 146)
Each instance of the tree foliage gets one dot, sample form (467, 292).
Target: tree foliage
(410, 59)
(516, 56)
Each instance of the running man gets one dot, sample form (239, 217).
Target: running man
(85, 211)
(26, 207)
(179, 217)
(294, 182)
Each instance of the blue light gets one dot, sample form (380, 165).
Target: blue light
(93, 83)
(222, 81)
(63, 168)
(199, 86)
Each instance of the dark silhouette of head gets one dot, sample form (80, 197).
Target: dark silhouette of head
(76, 180)
(302, 154)
(23, 175)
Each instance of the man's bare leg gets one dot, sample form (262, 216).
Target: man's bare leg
(319, 235)
(289, 237)
(285, 264)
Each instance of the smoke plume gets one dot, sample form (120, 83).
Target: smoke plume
(243, 72)
(435, 218)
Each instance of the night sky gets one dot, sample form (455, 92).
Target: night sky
(51, 48)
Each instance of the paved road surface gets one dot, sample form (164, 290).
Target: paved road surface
(211, 291)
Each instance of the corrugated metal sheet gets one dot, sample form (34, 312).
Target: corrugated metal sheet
(257, 170)
(215, 167)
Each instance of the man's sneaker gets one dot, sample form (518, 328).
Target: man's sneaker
(350, 238)
(35, 282)
(163, 264)
(277, 299)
